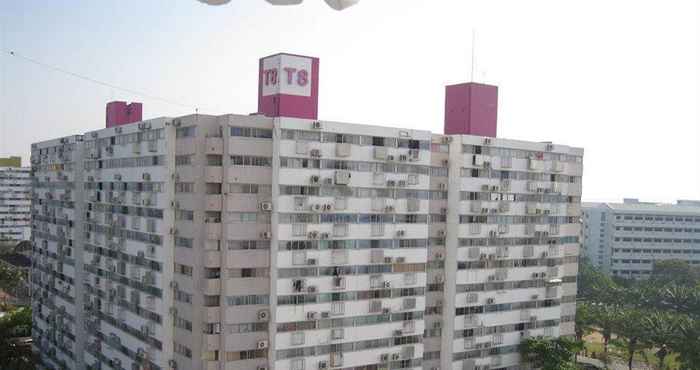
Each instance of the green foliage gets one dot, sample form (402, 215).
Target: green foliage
(675, 272)
(551, 354)
(663, 311)
(9, 278)
(14, 324)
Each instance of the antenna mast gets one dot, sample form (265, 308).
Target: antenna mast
(473, 54)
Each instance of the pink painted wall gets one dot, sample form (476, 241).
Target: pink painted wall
(120, 113)
(286, 105)
(471, 109)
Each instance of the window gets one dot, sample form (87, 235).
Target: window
(210, 356)
(297, 364)
(211, 328)
(185, 132)
(184, 187)
(243, 160)
(183, 269)
(183, 242)
(255, 132)
(297, 338)
(214, 160)
(184, 215)
(181, 349)
(184, 160)
(213, 188)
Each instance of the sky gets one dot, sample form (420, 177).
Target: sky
(619, 78)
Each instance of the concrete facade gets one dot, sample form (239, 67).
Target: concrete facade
(15, 200)
(625, 239)
(250, 242)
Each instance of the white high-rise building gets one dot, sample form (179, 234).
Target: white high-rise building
(625, 239)
(280, 241)
(15, 199)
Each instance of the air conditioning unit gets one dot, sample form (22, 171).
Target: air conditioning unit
(327, 207)
(263, 315)
(445, 162)
(400, 233)
(322, 365)
(391, 183)
(146, 176)
(387, 284)
(311, 289)
(384, 357)
(324, 235)
(316, 207)
(490, 301)
(173, 285)
(403, 157)
(266, 206)
(311, 261)
(316, 125)
(315, 179)
(487, 141)
(172, 364)
(442, 186)
(315, 153)
(117, 177)
(447, 139)
(313, 235)
(389, 157)
(311, 315)
(266, 235)
(389, 209)
(396, 356)
(402, 183)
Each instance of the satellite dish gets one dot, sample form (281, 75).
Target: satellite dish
(215, 2)
(341, 4)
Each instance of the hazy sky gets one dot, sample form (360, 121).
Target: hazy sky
(619, 78)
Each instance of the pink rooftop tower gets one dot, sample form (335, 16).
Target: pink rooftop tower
(120, 113)
(471, 109)
(288, 86)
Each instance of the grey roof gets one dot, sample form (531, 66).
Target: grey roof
(684, 208)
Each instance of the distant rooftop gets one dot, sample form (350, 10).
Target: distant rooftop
(682, 206)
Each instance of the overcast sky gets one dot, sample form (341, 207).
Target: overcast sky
(619, 78)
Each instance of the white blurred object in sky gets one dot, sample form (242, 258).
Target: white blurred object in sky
(335, 4)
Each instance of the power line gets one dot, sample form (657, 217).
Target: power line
(102, 83)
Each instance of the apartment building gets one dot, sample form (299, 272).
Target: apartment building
(280, 241)
(625, 239)
(15, 189)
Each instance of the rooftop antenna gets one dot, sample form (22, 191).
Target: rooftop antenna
(473, 53)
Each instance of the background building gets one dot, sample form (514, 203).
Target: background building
(15, 200)
(625, 239)
(278, 241)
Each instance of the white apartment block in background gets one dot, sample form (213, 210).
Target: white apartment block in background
(15, 200)
(248, 242)
(625, 239)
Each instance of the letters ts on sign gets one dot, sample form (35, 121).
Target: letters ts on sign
(288, 86)
(286, 74)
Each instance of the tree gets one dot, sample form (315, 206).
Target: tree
(675, 272)
(15, 324)
(550, 354)
(584, 319)
(631, 332)
(606, 318)
(662, 328)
